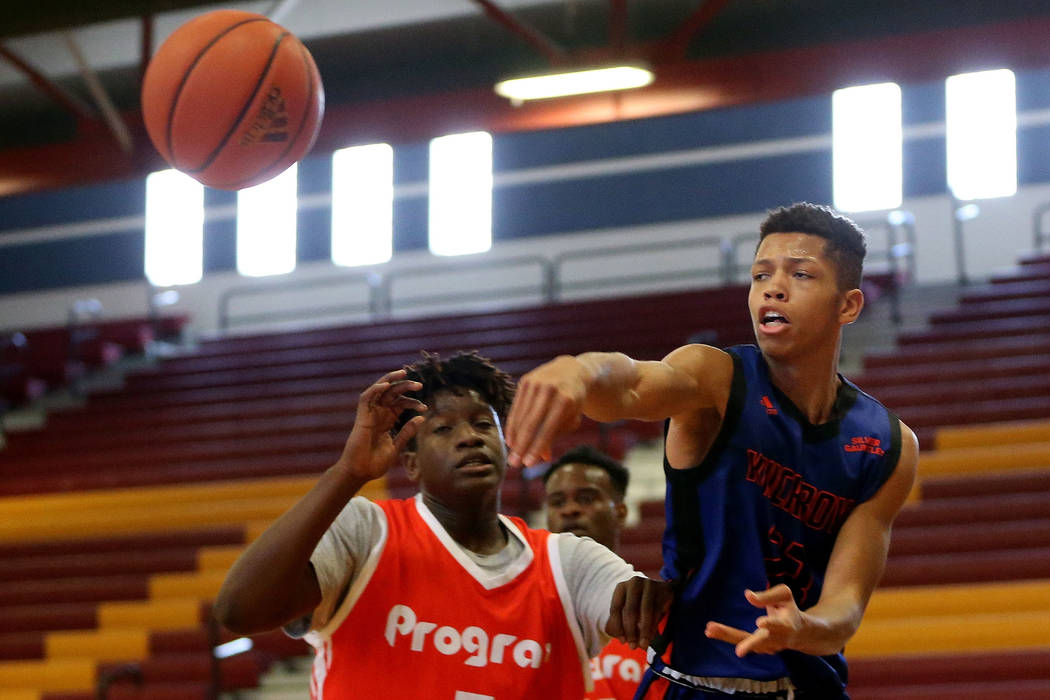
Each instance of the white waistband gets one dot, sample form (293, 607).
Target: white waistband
(730, 686)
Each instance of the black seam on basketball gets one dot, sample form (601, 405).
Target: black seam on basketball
(186, 76)
(302, 122)
(244, 110)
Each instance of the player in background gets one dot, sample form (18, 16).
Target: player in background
(585, 491)
(784, 478)
(438, 595)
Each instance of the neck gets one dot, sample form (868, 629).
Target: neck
(810, 382)
(473, 524)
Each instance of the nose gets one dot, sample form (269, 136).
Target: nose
(775, 288)
(468, 437)
(569, 508)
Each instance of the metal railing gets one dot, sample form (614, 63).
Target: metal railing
(551, 283)
(1039, 233)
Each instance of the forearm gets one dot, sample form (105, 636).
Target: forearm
(272, 582)
(611, 379)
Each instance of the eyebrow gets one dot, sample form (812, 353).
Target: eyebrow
(797, 261)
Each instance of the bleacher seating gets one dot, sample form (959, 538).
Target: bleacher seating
(166, 479)
(118, 520)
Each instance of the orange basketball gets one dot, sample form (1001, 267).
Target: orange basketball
(232, 99)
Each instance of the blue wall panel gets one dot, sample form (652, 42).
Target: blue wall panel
(779, 120)
(69, 263)
(629, 199)
(114, 199)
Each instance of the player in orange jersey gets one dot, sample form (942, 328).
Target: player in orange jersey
(585, 489)
(438, 596)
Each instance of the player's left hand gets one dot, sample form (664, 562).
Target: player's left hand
(638, 604)
(775, 631)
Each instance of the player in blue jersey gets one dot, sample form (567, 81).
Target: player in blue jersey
(783, 478)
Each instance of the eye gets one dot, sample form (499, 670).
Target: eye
(484, 425)
(802, 274)
(586, 498)
(759, 276)
(442, 429)
(556, 500)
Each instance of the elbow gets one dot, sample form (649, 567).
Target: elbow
(231, 611)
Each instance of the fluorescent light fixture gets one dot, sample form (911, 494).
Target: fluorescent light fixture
(174, 228)
(362, 204)
(232, 648)
(866, 146)
(539, 87)
(266, 216)
(460, 194)
(981, 118)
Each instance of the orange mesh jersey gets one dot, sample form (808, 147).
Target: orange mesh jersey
(422, 619)
(616, 672)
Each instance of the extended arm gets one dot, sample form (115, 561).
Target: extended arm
(856, 565)
(272, 582)
(610, 386)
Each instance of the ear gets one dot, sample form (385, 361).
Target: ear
(851, 306)
(408, 461)
(621, 512)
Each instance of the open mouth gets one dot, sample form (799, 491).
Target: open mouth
(772, 319)
(475, 463)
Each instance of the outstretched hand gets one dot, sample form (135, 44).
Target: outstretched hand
(371, 450)
(775, 631)
(547, 403)
(638, 605)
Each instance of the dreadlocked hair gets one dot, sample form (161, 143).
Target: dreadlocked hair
(458, 374)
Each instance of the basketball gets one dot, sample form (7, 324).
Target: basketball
(232, 99)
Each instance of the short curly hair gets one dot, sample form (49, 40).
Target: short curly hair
(586, 454)
(461, 372)
(845, 245)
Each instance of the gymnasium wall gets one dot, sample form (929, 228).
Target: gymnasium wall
(668, 178)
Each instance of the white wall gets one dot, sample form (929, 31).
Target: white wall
(994, 240)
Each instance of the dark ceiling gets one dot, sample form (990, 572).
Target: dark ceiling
(407, 82)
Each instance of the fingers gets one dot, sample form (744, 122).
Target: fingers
(725, 633)
(407, 432)
(388, 392)
(614, 626)
(777, 595)
(528, 411)
(754, 643)
(562, 416)
(637, 606)
(543, 413)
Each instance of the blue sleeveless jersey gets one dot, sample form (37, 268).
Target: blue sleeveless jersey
(764, 507)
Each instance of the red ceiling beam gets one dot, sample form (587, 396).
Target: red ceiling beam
(675, 45)
(618, 27)
(145, 46)
(551, 51)
(55, 91)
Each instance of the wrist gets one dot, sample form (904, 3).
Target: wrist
(346, 478)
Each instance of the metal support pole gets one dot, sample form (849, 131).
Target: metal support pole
(958, 217)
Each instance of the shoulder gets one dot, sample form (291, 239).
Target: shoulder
(705, 370)
(582, 557)
(696, 359)
(894, 492)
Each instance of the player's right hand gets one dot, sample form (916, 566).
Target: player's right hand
(548, 402)
(371, 450)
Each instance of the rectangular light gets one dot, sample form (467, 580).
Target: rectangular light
(362, 204)
(578, 82)
(981, 119)
(174, 228)
(460, 194)
(866, 147)
(266, 226)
